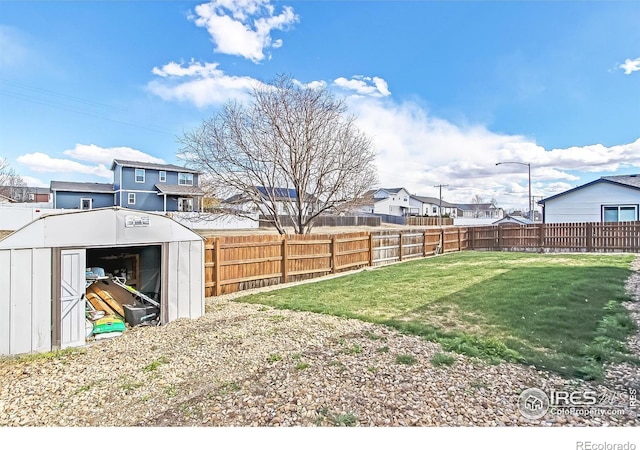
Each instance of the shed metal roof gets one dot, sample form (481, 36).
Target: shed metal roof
(101, 227)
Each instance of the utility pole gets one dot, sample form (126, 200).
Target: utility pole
(440, 207)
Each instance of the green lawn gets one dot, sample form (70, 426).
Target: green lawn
(561, 312)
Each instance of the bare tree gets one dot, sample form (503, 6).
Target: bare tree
(11, 184)
(477, 202)
(292, 146)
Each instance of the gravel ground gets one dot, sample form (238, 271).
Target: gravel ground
(250, 365)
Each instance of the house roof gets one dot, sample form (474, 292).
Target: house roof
(38, 190)
(148, 165)
(629, 181)
(179, 189)
(511, 219)
(279, 194)
(476, 206)
(390, 190)
(72, 186)
(433, 201)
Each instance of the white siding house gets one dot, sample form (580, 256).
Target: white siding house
(607, 199)
(431, 206)
(394, 202)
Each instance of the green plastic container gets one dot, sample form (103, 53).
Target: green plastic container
(108, 324)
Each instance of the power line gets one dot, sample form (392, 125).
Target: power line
(67, 104)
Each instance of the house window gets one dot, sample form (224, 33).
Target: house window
(620, 213)
(139, 175)
(131, 198)
(185, 179)
(435, 209)
(163, 176)
(86, 203)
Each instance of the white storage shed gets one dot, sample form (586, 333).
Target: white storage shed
(43, 272)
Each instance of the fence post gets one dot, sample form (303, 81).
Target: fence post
(285, 259)
(589, 237)
(216, 266)
(424, 243)
(459, 241)
(500, 237)
(333, 253)
(441, 249)
(471, 231)
(370, 249)
(541, 236)
(400, 243)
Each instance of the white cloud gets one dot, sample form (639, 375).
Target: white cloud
(418, 151)
(40, 162)
(193, 69)
(365, 86)
(200, 84)
(243, 27)
(630, 65)
(99, 157)
(105, 156)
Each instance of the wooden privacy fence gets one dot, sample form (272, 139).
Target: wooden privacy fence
(236, 263)
(570, 237)
(419, 221)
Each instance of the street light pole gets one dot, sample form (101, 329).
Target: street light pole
(529, 166)
(440, 206)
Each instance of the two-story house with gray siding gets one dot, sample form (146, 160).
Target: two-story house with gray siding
(137, 185)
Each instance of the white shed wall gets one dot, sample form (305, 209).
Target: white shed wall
(25, 301)
(585, 205)
(185, 280)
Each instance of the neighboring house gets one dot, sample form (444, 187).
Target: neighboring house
(431, 206)
(137, 185)
(394, 202)
(74, 195)
(607, 199)
(37, 195)
(25, 194)
(515, 220)
(364, 204)
(479, 211)
(283, 198)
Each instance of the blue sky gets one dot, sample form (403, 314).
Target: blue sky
(445, 89)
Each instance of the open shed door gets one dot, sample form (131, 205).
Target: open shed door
(72, 298)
